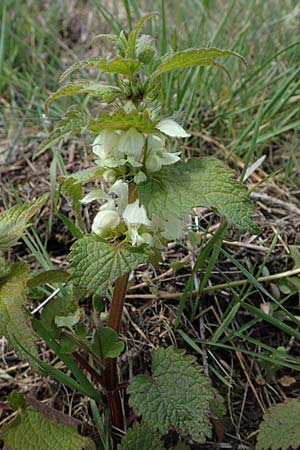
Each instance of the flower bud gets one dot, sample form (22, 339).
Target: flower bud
(105, 221)
(145, 51)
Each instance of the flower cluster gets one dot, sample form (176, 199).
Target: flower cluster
(145, 154)
(117, 217)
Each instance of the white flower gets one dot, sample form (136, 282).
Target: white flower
(105, 143)
(155, 143)
(153, 163)
(120, 188)
(131, 143)
(171, 128)
(96, 194)
(134, 236)
(105, 146)
(105, 221)
(134, 214)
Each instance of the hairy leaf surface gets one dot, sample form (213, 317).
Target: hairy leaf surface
(104, 93)
(14, 324)
(74, 121)
(204, 182)
(177, 395)
(95, 264)
(122, 121)
(122, 66)
(31, 430)
(193, 57)
(280, 428)
(14, 222)
(141, 437)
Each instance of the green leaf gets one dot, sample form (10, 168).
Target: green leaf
(141, 437)
(104, 93)
(107, 344)
(193, 57)
(49, 276)
(4, 267)
(122, 66)
(74, 121)
(14, 222)
(176, 189)
(119, 120)
(89, 63)
(177, 395)
(70, 186)
(95, 264)
(33, 430)
(69, 320)
(14, 323)
(280, 428)
(60, 306)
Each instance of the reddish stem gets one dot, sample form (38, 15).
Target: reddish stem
(110, 376)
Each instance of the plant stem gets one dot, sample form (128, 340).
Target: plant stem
(110, 375)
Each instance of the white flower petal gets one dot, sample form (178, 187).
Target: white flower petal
(134, 236)
(104, 221)
(131, 143)
(153, 163)
(131, 159)
(120, 188)
(96, 194)
(105, 144)
(155, 143)
(135, 214)
(169, 158)
(171, 128)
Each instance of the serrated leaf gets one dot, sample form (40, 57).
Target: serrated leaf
(89, 63)
(49, 276)
(104, 93)
(119, 120)
(122, 66)
(193, 57)
(141, 437)
(4, 267)
(14, 324)
(95, 264)
(70, 186)
(177, 188)
(107, 344)
(14, 222)
(31, 430)
(280, 428)
(177, 395)
(74, 121)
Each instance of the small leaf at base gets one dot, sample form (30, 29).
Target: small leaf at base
(141, 437)
(280, 428)
(177, 395)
